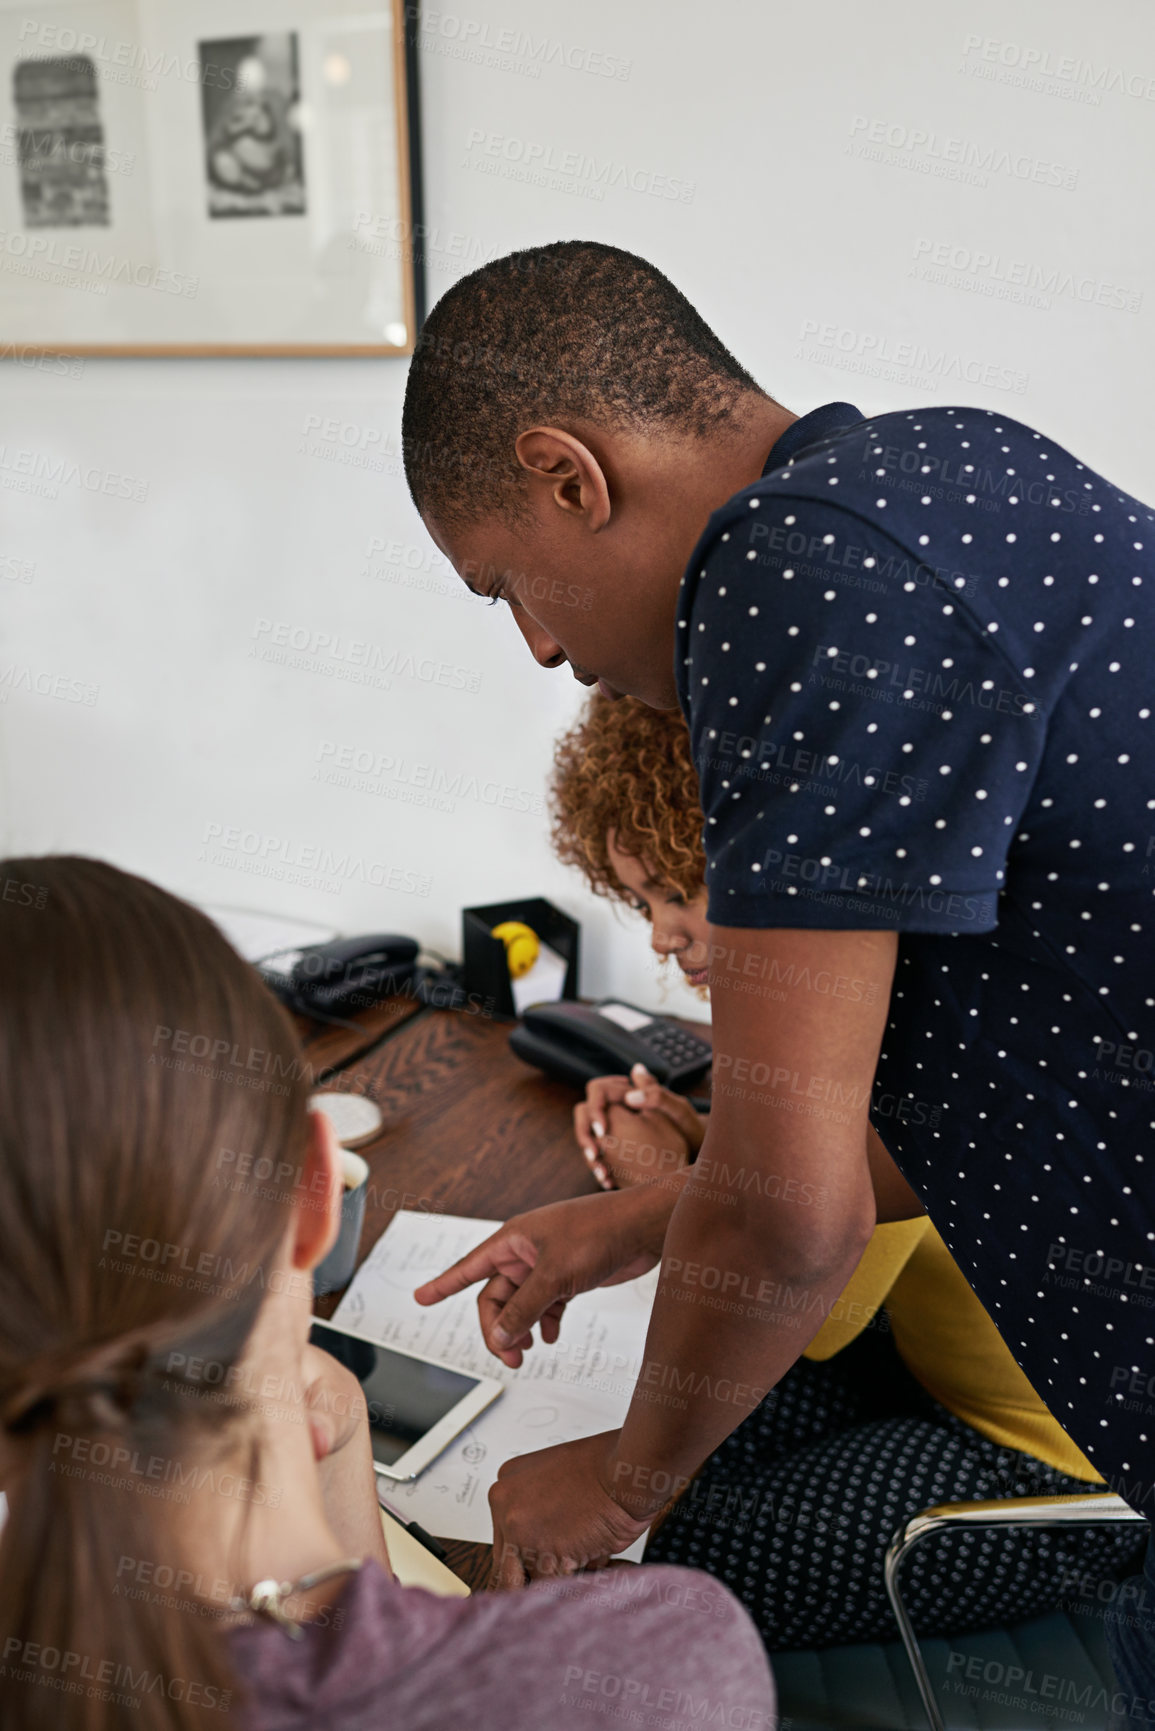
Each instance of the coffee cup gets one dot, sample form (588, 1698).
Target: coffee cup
(336, 1268)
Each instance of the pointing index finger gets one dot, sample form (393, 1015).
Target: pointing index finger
(494, 1256)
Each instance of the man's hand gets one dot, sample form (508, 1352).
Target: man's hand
(554, 1512)
(539, 1260)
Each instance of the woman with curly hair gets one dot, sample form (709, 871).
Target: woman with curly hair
(625, 812)
(907, 1395)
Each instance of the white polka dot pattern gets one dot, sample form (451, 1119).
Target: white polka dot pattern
(796, 1509)
(939, 721)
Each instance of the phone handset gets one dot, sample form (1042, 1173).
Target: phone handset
(576, 1042)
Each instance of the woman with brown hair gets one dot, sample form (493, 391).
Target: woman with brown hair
(193, 1535)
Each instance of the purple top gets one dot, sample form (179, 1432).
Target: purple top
(654, 1645)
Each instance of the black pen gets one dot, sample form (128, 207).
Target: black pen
(423, 1538)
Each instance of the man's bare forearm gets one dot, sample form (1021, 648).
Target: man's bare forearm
(653, 1205)
(740, 1298)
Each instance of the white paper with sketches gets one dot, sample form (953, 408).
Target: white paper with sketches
(574, 1389)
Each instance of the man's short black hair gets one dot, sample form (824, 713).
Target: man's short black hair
(575, 330)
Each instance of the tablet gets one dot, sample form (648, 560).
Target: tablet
(416, 1406)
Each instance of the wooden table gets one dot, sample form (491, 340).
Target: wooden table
(468, 1129)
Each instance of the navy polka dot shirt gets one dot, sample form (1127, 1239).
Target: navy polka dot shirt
(917, 662)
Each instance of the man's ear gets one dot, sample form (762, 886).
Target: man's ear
(567, 473)
(319, 1194)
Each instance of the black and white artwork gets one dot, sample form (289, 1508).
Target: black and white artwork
(60, 143)
(251, 112)
(139, 140)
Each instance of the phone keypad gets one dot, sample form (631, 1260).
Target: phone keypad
(676, 1047)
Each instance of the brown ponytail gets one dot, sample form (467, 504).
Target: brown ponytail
(138, 1052)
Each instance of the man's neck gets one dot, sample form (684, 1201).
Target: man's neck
(734, 458)
(761, 426)
(702, 473)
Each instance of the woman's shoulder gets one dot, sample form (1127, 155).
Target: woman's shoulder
(654, 1639)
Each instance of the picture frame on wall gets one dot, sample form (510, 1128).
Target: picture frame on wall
(238, 177)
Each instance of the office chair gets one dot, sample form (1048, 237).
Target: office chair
(1092, 1509)
(887, 1685)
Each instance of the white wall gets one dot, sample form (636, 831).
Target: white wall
(758, 111)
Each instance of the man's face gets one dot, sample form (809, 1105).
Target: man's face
(591, 559)
(601, 603)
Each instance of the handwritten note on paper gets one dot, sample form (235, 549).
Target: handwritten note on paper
(574, 1389)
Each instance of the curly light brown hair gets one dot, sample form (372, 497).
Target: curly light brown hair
(626, 768)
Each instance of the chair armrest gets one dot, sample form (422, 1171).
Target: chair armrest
(1080, 1509)
(1083, 1509)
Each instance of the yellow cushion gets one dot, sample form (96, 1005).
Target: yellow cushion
(947, 1341)
(865, 1293)
(954, 1349)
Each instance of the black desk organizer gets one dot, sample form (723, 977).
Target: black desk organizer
(485, 968)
